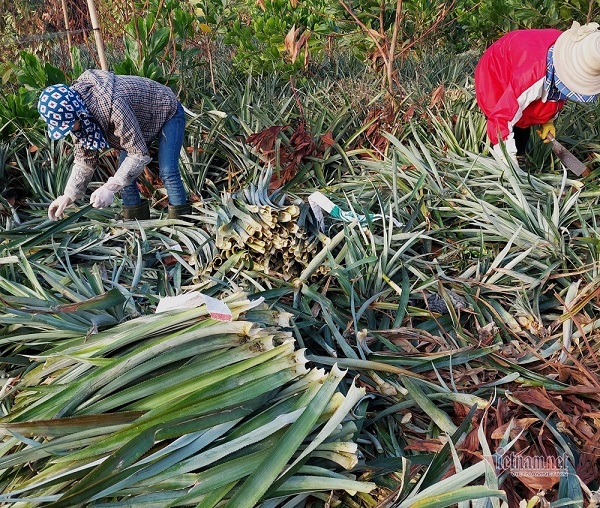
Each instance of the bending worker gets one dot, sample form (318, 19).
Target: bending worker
(525, 77)
(102, 110)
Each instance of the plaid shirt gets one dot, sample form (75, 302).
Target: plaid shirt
(130, 110)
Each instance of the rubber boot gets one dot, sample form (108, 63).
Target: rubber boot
(139, 212)
(176, 211)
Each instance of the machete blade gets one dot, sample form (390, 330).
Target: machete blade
(568, 159)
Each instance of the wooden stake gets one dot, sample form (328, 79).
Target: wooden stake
(69, 43)
(97, 34)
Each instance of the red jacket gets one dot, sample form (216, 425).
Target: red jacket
(509, 82)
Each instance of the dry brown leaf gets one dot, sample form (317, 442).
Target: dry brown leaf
(327, 139)
(536, 483)
(587, 467)
(590, 391)
(290, 42)
(264, 141)
(294, 46)
(425, 445)
(301, 146)
(578, 404)
(437, 96)
(583, 428)
(460, 411)
(379, 120)
(592, 414)
(536, 397)
(519, 425)
(306, 53)
(471, 444)
(536, 472)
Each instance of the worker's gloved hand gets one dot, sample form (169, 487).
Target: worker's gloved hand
(547, 128)
(104, 196)
(56, 210)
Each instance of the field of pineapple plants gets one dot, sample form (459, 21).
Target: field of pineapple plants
(366, 308)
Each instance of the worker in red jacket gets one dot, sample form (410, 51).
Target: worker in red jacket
(525, 77)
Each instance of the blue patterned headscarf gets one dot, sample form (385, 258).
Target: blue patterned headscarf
(60, 105)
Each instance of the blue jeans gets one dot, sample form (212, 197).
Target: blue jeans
(170, 141)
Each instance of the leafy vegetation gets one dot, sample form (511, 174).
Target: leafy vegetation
(399, 348)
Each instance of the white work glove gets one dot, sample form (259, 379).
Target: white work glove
(104, 196)
(57, 207)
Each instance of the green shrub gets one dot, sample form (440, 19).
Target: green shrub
(154, 44)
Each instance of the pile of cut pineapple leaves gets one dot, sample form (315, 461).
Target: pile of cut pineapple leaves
(452, 312)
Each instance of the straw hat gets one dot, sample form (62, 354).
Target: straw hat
(577, 58)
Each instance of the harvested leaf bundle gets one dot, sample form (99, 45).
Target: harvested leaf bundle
(275, 238)
(177, 409)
